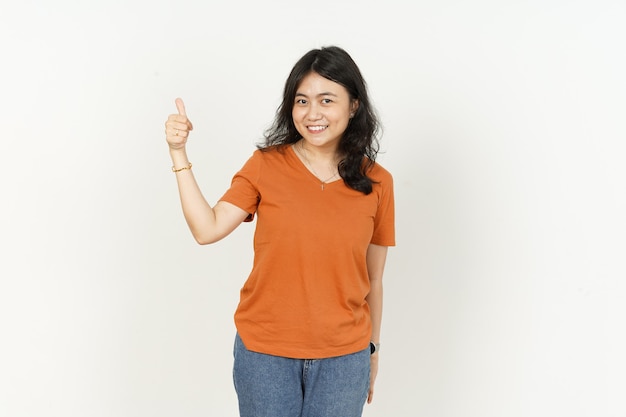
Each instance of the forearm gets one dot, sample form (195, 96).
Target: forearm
(376, 258)
(199, 215)
(375, 302)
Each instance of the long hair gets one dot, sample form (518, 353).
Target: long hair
(359, 143)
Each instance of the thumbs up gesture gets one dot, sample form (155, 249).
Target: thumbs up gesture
(177, 127)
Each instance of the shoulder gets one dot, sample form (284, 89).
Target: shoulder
(383, 181)
(276, 152)
(275, 159)
(379, 174)
(263, 155)
(266, 161)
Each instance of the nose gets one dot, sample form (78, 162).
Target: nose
(314, 112)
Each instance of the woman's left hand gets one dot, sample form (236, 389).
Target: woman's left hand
(373, 373)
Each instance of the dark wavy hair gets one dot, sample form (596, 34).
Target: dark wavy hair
(358, 146)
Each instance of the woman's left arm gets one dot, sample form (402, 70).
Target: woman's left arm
(376, 257)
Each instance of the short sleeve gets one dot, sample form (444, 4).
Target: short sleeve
(384, 221)
(243, 191)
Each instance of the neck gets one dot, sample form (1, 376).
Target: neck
(323, 164)
(318, 154)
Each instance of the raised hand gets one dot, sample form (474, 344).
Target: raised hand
(177, 127)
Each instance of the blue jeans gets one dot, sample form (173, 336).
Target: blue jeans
(274, 386)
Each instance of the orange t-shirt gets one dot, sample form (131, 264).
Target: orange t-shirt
(305, 295)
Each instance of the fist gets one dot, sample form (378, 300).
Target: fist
(177, 127)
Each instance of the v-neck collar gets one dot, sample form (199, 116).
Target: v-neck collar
(310, 174)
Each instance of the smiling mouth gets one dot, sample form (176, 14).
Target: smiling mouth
(316, 128)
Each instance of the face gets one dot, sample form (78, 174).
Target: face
(321, 111)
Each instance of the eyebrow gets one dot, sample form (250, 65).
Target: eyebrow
(328, 93)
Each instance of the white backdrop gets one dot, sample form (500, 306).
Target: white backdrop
(504, 130)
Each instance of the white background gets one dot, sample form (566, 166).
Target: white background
(504, 130)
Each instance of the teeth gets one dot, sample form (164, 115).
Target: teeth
(317, 127)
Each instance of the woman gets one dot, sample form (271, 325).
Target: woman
(309, 317)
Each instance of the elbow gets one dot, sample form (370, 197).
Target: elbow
(204, 240)
(376, 284)
(201, 235)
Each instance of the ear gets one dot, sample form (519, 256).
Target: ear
(354, 106)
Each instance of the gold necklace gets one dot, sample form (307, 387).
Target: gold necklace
(308, 163)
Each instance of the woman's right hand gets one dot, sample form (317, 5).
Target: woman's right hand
(177, 127)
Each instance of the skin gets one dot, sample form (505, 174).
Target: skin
(321, 113)
(376, 257)
(207, 224)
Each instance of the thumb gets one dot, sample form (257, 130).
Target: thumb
(181, 107)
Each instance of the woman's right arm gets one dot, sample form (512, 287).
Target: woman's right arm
(207, 224)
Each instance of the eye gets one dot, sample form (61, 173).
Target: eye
(301, 101)
(326, 101)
